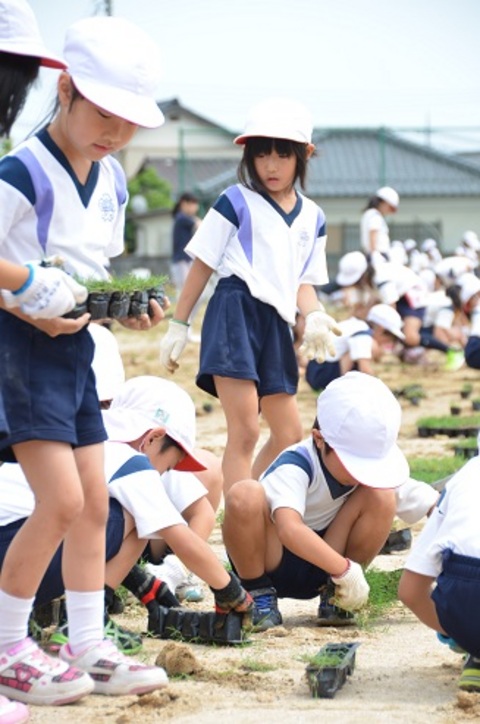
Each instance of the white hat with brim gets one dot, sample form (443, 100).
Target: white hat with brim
(386, 193)
(19, 34)
(469, 286)
(107, 363)
(145, 403)
(116, 66)
(359, 417)
(388, 318)
(278, 118)
(350, 268)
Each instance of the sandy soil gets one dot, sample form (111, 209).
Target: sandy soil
(402, 673)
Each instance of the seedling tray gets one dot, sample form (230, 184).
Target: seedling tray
(398, 540)
(202, 627)
(328, 672)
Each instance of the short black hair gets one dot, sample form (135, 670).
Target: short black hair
(257, 145)
(168, 442)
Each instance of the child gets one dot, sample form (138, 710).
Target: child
(325, 506)
(374, 234)
(360, 343)
(441, 580)
(61, 194)
(266, 241)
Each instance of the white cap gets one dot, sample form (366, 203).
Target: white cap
(116, 65)
(278, 118)
(471, 240)
(388, 318)
(410, 244)
(386, 193)
(107, 362)
(19, 33)
(351, 267)
(428, 245)
(145, 403)
(359, 417)
(469, 286)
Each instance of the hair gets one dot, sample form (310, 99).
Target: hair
(453, 291)
(168, 442)
(257, 145)
(373, 203)
(188, 197)
(17, 74)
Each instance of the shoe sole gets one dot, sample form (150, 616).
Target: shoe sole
(336, 622)
(49, 700)
(106, 690)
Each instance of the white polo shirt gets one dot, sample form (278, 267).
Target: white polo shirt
(453, 523)
(248, 235)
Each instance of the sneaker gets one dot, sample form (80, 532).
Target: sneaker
(452, 645)
(12, 712)
(190, 590)
(328, 613)
(265, 612)
(470, 678)
(29, 675)
(114, 674)
(126, 641)
(454, 360)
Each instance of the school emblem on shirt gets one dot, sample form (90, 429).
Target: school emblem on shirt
(303, 237)
(107, 207)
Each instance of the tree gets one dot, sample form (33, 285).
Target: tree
(157, 193)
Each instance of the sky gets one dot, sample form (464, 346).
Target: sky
(395, 63)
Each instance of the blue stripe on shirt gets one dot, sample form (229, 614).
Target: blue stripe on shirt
(137, 464)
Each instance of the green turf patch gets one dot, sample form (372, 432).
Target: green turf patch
(432, 469)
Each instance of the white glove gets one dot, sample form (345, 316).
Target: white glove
(48, 292)
(318, 337)
(351, 588)
(173, 344)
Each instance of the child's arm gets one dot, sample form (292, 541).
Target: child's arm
(351, 588)
(173, 344)
(199, 558)
(415, 591)
(52, 327)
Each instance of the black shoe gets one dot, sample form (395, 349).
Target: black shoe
(265, 613)
(328, 613)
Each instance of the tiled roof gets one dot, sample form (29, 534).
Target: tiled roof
(196, 174)
(354, 162)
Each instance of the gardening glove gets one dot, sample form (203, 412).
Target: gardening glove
(48, 292)
(233, 598)
(351, 588)
(318, 337)
(165, 597)
(173, 344)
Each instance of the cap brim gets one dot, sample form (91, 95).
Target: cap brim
(387, 472)
(189, 464)
(140, 110)
(33, 50)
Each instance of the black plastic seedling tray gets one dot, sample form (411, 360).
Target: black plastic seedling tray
(330, 668)
(203, 627)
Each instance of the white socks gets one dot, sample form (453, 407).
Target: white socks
(85, 613)
(14, 614)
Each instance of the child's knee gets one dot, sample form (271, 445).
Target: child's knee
(244, 499)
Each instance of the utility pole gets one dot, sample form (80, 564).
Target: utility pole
(104, 7)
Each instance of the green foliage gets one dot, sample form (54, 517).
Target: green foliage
(432, 469)
(128, 283)
(255, 665)
(383, 590)
(156, 191)
(454, 422)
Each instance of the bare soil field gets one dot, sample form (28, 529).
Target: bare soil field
(401, 674)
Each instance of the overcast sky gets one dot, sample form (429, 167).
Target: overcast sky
(398, 63)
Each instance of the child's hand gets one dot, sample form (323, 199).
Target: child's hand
(351, 588)
(173, 344)
(318, 336)
(48, 293)
(232, 598)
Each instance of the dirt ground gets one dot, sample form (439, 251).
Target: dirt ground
(402, 673)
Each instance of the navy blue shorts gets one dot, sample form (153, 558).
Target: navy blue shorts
(456, 597)
(297, 578)
(405, 310)
(47, 386)
(246, 339)
(4, 429)
(51, 585)
(320, 374)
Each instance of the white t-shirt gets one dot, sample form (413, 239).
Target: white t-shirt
(452, 525)
(394, 281)
(47, 212)
(439, 311)
(248, 235)
(372, 220)
(155, 501)
(356, 339)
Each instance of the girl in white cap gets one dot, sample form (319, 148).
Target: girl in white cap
(374, 234)
(61, 193)
(266, 241)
